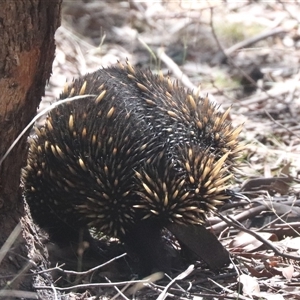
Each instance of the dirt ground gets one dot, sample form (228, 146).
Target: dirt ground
(243, 54)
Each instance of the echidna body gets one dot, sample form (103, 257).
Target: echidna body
(138, 153)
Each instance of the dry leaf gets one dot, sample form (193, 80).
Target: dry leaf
(293, 243)
(248, 242)
(270, 296)
(288, 272)
(272, 184)
(250, 285)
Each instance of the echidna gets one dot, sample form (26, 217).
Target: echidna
(139, 153)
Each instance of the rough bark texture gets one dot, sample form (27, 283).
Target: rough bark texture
(26, 54)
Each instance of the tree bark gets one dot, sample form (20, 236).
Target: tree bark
(26, 54)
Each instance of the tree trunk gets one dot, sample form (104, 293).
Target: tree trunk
(26, 54)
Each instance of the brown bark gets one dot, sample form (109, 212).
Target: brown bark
(26, 54)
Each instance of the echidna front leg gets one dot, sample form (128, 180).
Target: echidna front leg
(145, 241)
